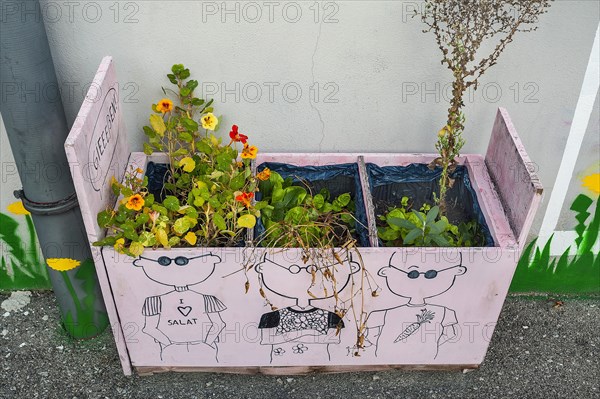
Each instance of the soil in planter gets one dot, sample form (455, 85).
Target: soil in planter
(417, 182)
(337, 179)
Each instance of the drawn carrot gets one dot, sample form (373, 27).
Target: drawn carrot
(425, 317)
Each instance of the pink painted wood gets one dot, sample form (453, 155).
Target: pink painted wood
(97, 149)
(513, 175)
(191, 312)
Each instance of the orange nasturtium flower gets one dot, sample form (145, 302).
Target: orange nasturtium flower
(209, 121)
(249, 152)
(165, 105)
(135, 202)
(264, 175)
(245, 198)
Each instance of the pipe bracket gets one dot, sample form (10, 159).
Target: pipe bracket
(48, 208)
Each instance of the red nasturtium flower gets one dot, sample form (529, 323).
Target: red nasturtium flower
(236, 136)
(245, 198)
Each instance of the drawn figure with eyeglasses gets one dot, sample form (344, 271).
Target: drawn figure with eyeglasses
(184, 322)
(301, 330)
(418, 326)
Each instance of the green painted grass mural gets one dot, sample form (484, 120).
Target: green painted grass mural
(21, 266)
(537, 271)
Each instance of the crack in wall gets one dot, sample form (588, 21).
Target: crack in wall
(312, 100)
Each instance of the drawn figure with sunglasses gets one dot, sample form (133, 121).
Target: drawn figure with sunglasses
(419, 326)
(185, 323)
(301, 330)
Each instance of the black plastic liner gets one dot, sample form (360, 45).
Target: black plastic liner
(417, 182)
(337, 179)
(157, 176)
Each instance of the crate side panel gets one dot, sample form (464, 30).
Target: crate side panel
(513, 175)
(167, 312)
(97, 147)
(490, 202)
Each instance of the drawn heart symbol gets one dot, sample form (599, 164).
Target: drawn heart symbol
(184, 310)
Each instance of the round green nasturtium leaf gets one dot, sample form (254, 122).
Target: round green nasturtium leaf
(171, 203)
(219, 222)
(136, 248)
(147, 239)
(187, 164)
(182, 225)
(158, 124)
(247, 221)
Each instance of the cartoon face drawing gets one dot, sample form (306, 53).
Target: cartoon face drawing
(302, 330)
(420, 282)
(190, 270)
(409, 326)
(184, 322)
(299, 275)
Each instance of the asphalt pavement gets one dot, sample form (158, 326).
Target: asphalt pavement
(543, 347)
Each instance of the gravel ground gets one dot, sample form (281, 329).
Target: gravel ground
(540, 349)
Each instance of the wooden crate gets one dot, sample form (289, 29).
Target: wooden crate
(166, 317)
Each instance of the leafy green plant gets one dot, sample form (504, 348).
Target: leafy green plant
(209, 187)
(295, 218)
(404, 226)
(462, 29)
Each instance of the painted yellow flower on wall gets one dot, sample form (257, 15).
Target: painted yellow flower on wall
(17, 208)
(592, 182)
(62, 264)
(209, 121)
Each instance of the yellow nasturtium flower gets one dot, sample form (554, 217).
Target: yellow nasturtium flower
(164, 105)
(120, 245)
(62, 264)
(249, 152)
(17, 208)
(187, 164)
(209, 121)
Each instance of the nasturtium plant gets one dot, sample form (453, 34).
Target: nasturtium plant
(403, 226)
(209, 188)
(292, 216)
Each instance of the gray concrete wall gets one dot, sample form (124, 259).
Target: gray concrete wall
(330, 76)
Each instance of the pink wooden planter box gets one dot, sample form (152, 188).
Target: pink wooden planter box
(168, 317)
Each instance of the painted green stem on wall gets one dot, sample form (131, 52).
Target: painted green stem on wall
(539, 272)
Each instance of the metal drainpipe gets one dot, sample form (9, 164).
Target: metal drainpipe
(35, 122)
